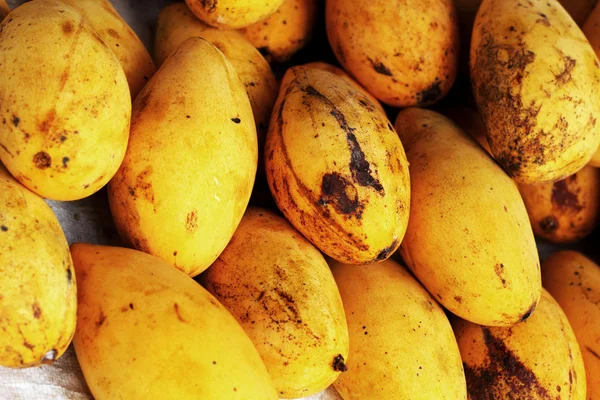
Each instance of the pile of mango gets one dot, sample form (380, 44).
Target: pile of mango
(390, 260)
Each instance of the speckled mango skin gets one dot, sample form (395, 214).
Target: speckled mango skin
(405, 52)
(280, 289)
(148, 331)
(233, 14)
(4, 10)
(176, 23)
(336, 167)
(591, 29)
(574, 281)
(459, 196)
(536, 81)
(120, 38)
(401, 342)
(535, 359)
(188, 173)
(286, 31)
(63, 134)
(38, 293)
(567, 210)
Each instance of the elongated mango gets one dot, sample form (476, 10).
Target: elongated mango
(176, 23)
(336, 167)
(535, 359)
(401, 343)
(468, 240)
(280, 289)
(536, 82)
(38, 293)
(146, 330)
(189, 169)
(65, 105)
(574, 281)
(120, 38)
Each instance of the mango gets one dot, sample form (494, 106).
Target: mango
(401, 342)
(459, 196)
(281, 291)
(38, 293)
(535, 359)
(336, 167)
(233, 14)
(574, 281)
(146, 330)
(189, 169)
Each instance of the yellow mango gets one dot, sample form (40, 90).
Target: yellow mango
(535, 359)
(233, 14)
(336, 167)
(574, 281)
(120, 38)
(176, 23)
(280, 289)
(148, 331)
(38, 293)
(405, 52)
(591, 29)
(4, 10)
(64, 102)
(286, 31)
(401, 342)
(189, 169)
(468, 240)
(536, 82)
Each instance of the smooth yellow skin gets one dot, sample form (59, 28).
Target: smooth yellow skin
(281, 290)
(4, 10)
(336, 168)
(574, 281)
(233, 14)
(401, 342)
(120, 38)
(343, 74)
(176, 23)
(286, 31)
(536, 359)
(38, 293)
(563, 211)
(579, 10)
(478, 257)
(405, 52)
(188, 174)
(567, 210)
(64, 101)
(591, 29)
(536, 82)
(148, 331)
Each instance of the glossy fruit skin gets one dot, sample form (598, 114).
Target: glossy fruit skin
(233, 14)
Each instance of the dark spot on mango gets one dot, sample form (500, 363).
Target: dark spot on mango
(431, 94)
(458, 299)
(37, 311)
(101, 319)
(562, 197)
(113, 33)
(16, 120)
(549, 224)
(593, 352)
(65, 162)
(380, 67)
(339, 364)
(45, 125)
(528, 313)
(69, 275)
(191, 222)
(210, 5)
(385, 253)
(178, 313)
(236, 120)
(42, 160)
(339, 192)
(3, 228)
(67, 27)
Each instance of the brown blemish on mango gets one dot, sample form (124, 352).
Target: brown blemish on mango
(528, 313)
(178, 313)
(42, 160)
(385, 253)
(67, 27)
(565, 76)
(592, 352)
(549, 224)
(191, 222)
(339, 364)
(45, 125)
(37, 312)
(210, 5)
(431, 94)
(499, 270)
(339, 192)
(562, 197)
(101, 319)
(113, 33)
(504, 372)
(380, 67)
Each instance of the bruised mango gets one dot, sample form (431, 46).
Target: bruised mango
(280, 289)
(38, 293)
(64, 101)
(148, 331)
(535, 359)
(120, 38)
(405, 52)
(188, 174)
(401, 343)
(336, 167)
(286, 31)
(536, 82)
(459, 196)
(176, 23)
(574, 281)
(233, 14)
